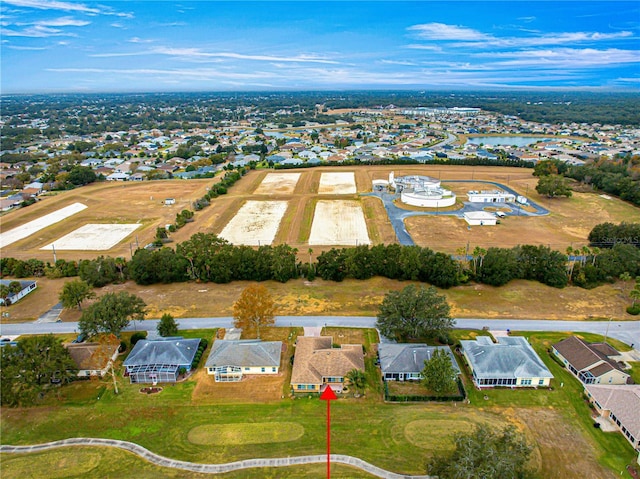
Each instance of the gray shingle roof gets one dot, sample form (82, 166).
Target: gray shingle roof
(174, 351)
(512, 357)
(408, 358)
(244, 353)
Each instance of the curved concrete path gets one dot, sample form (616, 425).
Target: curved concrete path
(209, 468)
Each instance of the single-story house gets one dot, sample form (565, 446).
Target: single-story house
(229, 360)
(621, 404)
(27, 287)
(509, 362)
(117, 176)
(93, 359)
(480, 218)
(405, 362)
(160, 361)
(317, 364)
(591, 363)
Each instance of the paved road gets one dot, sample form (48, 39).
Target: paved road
(626, 331)
(210, 468)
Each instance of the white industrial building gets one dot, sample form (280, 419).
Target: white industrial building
(491, 196)
(480, 218)
(423, 191)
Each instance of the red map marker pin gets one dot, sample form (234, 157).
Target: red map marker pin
(328, 395)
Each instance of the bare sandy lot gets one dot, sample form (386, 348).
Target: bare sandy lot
(341, 183)
(338, 222)
(256, 223)
(278, 183)
(108, 202)
(31, 227)
(93, 237)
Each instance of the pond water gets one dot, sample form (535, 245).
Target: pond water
(506, 140)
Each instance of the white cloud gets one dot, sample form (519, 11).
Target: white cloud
(58, 22)
(139, 40)
(464, 37)
(546, 40)
(66, 7)
(53, 5)
(442, 31)
(398, 62)
(564, 58)
(199, 54)
(36, 31)
(19, 47)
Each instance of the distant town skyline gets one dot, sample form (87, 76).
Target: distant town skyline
(51, 46)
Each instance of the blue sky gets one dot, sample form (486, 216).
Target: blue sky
(74, 46)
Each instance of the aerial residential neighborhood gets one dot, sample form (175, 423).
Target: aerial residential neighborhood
(314, 239)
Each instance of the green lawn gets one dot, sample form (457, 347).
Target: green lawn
(107, 462)
(397, 437)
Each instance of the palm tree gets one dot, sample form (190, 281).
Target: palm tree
(634, 294)
(357, 379)
(595, 251)
(585, 253)
(570, 253)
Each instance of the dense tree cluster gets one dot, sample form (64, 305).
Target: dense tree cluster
(31, 268)
(414, 313)
(607, 235)
(618, 176)
(31, 367)
(391, 261)
(111, 314)
(498, 266)
(208, 258)
(484, 453)
(214, 259)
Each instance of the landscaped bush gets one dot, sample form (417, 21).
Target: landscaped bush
(634, 310)
(135, 337)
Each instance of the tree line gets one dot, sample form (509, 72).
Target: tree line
(617, 176)
(209, 258)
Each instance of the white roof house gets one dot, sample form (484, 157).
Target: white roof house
(230, 359)
(509, 362)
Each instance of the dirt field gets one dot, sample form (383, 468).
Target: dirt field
(337, 183)
(93, 237)
(135, 203)
(518, 299)
(27, 229)
(278, 183)
(569, 223)
(565, 450)
(338, 222)
(256, 223)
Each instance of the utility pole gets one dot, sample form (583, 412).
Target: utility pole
(607, 331)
